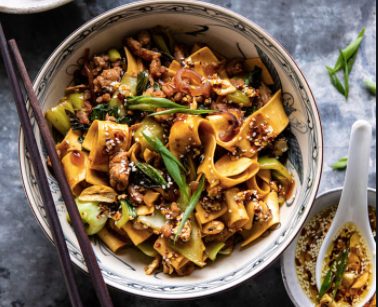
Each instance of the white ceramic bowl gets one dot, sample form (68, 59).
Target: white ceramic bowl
(233, 36)
(289, 275)
(29, 6)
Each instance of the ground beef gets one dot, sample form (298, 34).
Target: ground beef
(106, 79)
(156, 70)
(119, 171)
(99, 64)
(137, 48)
(144, 38)
(181, 52)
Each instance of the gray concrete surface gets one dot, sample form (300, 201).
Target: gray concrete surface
(312, 31)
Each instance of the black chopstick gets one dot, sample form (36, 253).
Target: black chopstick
(47, 199)
(84, 242)
(80, 231)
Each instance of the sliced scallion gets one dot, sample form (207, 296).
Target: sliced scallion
(152, 173)
(171, 163)
(150, 104)
(193, 201)
(341, 164)
(183, 111)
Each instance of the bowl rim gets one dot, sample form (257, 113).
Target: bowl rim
(315, 109)
(31, 9)
(283, 270)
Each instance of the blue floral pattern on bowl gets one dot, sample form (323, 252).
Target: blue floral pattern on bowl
(305, 139)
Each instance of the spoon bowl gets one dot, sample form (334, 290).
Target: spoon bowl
(353, 207)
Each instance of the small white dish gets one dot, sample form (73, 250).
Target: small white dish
(289, 274)
(353, 206)
(29, 6)
(234, 36)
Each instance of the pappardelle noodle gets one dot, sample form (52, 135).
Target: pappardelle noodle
(174, 149)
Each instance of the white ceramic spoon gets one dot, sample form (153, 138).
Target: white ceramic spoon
(353, 205)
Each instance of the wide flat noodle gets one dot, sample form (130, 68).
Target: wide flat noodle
(257, 131)
(196, 131)
(260, 183)
(145, 210)
(213, 176)
(237, 213)
(105, 139)
(260, 227)
(250, 208)
(204, 217)
(251, 64)
(151, 198)
(192, 250)
(265, 175)
(99, 193)
(80, 175)
(134, 152)
(114, 243)
(175, 67)
(228, 167)
(75, 172)
(271, 115)
(204, 55)
(137, 236)
(70, 143)
(176, 259)
(200, 58)
(185, 134)
(93, 177)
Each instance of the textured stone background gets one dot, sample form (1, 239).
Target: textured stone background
(312, 31)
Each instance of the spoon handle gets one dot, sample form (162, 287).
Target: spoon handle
(354, 197)
(353, 206)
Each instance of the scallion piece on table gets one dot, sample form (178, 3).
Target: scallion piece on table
(193, 201)
(345, 61)
(346, 72)
(152, 173)
(183, 111)
(150, 104)
(372, 86)
(335, 80)
(341, 164)
(350, 51)
(351, 62)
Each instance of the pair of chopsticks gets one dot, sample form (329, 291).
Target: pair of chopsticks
(55, 226)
